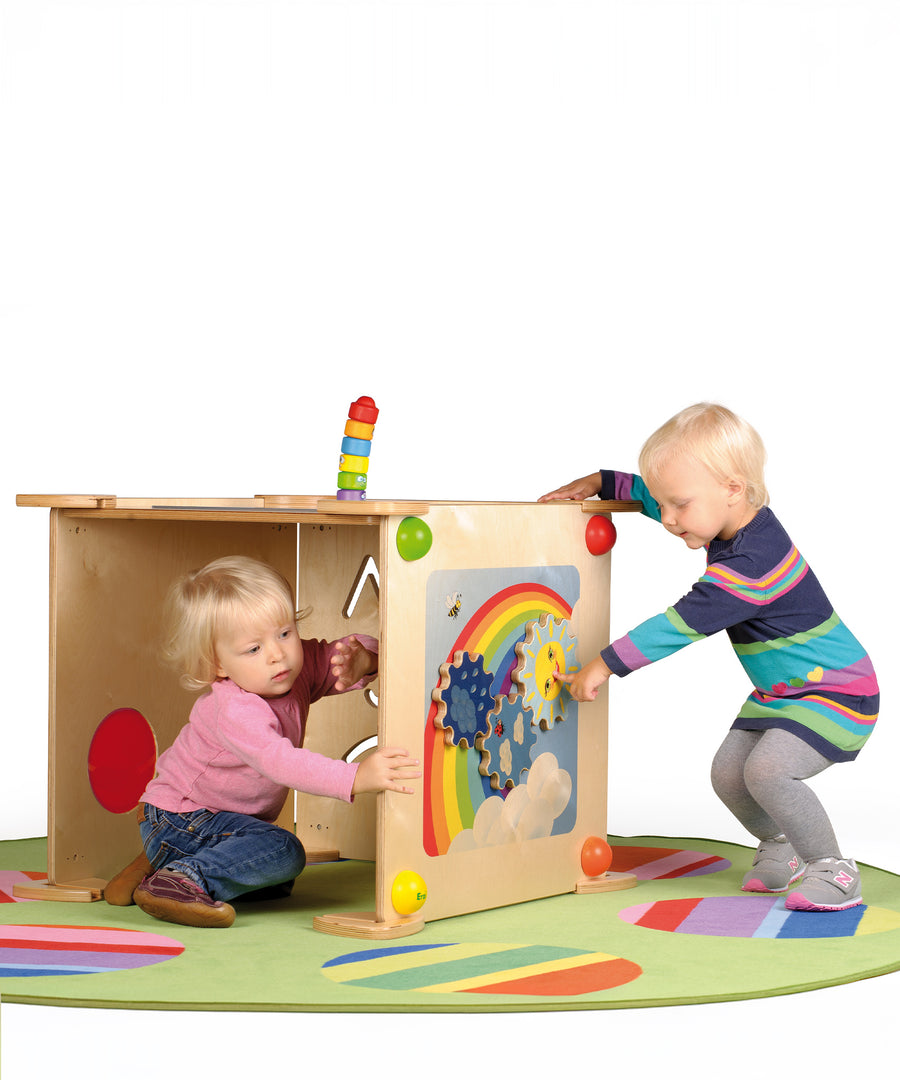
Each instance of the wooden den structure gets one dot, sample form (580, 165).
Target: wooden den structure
(473, 604)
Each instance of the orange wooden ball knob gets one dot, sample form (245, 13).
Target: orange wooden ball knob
(596, 856)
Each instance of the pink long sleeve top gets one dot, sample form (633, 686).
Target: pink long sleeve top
(242, 753)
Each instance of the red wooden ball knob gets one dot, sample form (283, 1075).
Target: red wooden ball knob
(599, 535)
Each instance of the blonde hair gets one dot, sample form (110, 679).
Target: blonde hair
(205, 603)
(715, 438)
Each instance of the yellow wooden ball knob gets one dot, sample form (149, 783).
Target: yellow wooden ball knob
(408, 893)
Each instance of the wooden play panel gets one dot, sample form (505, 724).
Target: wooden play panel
(474, 604)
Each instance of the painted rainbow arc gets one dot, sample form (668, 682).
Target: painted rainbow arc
(454, 788)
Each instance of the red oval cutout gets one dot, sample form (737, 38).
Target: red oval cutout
(121, 760)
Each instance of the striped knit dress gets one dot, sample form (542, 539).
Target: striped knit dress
(810, 675)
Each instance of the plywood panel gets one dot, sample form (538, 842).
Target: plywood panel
(492, 553)
(338, 582)
(109, 582)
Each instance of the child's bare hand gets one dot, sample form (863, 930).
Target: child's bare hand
(585, 684)
(351, 662)
(384, 769)
(578, 489)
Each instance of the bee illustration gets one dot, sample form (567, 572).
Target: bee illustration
(454, 604)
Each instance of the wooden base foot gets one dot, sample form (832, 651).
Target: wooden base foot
(75, 892)
(363, 924)
(319, 855)
(611, 881)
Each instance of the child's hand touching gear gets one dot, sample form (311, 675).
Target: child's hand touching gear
(585, 684)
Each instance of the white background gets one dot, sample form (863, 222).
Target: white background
(531, 231)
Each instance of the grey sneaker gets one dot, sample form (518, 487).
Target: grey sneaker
(174, 898)
(776, 866)
(828, 885)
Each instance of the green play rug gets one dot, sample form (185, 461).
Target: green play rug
(684, 934)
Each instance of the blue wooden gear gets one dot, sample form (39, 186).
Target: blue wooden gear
(506, 748)
(464, 699)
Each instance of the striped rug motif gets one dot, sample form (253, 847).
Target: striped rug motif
(80, 950)
(482, 968)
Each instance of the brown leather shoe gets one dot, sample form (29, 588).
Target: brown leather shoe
(173, 897)
(120, 890)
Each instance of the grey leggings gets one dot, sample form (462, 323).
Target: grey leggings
(759, 776)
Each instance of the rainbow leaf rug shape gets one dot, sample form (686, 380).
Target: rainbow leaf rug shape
(480, 968)
(79, 950)
(757, 916)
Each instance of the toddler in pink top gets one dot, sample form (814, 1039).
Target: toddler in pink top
(207, 818)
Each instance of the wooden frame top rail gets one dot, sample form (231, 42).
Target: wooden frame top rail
(280, 507)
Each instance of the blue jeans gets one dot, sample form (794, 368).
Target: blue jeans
(226, 854)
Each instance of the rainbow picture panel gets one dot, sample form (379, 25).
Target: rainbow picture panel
(500, 735)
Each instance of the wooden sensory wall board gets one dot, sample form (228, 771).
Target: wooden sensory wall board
(338, 581)
(513, 545)
(109, 578)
